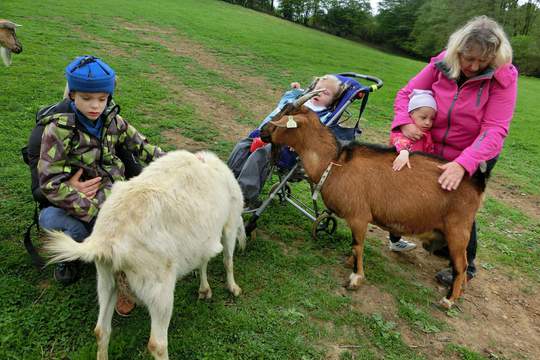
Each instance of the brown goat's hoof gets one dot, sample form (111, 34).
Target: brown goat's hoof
(445, 303)
(354, 281)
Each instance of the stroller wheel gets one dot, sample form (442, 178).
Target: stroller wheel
(284, 192)
(325, 224)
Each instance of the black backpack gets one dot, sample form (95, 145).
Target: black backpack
(30, 155)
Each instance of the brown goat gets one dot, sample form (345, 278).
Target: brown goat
(362, 188)
(8, 41)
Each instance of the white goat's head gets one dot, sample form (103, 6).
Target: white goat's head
(8, 41)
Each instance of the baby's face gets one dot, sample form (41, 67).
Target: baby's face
(325, 98)
(423, 117)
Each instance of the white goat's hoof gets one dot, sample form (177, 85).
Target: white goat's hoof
(445, 303)
(235, 290)
(205, 294)
(354, 281)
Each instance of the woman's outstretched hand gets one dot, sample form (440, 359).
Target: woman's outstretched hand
(452, 175)
(412, 131)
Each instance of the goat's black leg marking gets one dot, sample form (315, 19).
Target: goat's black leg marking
(355, 265)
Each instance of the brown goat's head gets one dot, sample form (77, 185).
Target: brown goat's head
(282, 129)
(290, 128)
(8, 41)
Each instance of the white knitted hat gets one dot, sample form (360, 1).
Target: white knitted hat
(419, 98)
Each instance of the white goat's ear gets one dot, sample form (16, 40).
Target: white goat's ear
(16, 25)
(291, 123)
(5, 54)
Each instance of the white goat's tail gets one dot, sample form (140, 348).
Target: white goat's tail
(61, 247)
(241, 234)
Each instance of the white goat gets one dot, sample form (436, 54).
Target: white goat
(182, 210)
(8, 41)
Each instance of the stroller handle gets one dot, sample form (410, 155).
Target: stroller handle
(378, 82)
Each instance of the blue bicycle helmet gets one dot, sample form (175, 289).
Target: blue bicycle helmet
(90, 74)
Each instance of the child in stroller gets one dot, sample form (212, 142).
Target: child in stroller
(250, 158)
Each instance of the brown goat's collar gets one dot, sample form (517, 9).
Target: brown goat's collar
(324, 176)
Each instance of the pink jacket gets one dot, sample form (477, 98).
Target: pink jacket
(472, 121)
(401, 142)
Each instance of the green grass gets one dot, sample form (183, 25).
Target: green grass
(291, 307)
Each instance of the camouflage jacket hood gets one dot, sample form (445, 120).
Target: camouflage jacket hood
(66, 147)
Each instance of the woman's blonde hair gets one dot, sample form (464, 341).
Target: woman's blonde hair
(481, 32)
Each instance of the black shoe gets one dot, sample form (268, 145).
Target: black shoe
(445, 276)
(67, 273)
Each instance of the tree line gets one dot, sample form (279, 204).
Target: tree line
(419, 28)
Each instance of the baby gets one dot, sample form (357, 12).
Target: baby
(250, 158)
(422, 110)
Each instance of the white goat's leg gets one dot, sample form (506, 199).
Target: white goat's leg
(229, 243)
(205, 292)
(107, 298)
(159, 299)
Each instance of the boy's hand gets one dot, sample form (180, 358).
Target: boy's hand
(401, 160)
(88, 187)
(295, 85)
(412, 131)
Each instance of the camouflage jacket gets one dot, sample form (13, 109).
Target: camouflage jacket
(66, 147)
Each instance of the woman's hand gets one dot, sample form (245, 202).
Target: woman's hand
(88, 187)
(295, 85)
(452, 175)
(401, 160)
(412, 131)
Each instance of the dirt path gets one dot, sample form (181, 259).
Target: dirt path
(181, 45)
(498, 317)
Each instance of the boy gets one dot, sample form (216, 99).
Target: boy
(78, 161)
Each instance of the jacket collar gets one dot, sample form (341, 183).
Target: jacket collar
(64, 109)
(504, 75)
(488, 74)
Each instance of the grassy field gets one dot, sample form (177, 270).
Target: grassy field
(199, 74)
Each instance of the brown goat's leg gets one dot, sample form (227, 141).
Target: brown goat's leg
(457, 246)
(359, 229)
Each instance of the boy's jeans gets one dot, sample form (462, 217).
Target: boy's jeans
(53, 218)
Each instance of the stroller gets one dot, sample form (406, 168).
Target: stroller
(289, 169)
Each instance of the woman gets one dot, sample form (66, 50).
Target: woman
(475, 87)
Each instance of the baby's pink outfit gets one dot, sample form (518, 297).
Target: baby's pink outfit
(401, 142)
